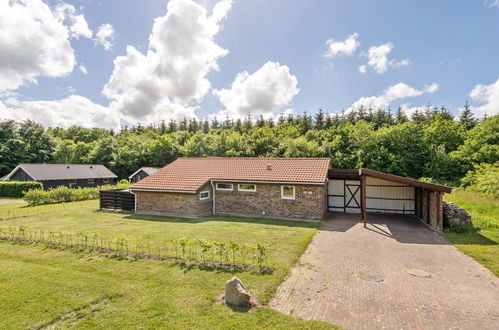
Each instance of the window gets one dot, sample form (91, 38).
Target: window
(204, 195)
(288, 192)
(72, 182)
(247, 187)
(105, 180)
(90, 181)
(224, 186)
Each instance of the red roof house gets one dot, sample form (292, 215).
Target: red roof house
(270, 187)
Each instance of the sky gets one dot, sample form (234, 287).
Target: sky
(110, 63)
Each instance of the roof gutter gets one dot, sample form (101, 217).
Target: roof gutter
(272, 182)
(164, 190)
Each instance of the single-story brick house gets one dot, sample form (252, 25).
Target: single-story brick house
(69, 175)
(294, 188)
(288, 188)
(142, 173)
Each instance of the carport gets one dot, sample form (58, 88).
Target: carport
(367, 191)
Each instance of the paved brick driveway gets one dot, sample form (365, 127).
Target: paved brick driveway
(327, 282)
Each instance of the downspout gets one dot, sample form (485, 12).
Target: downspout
(213, 190)
(135, 201)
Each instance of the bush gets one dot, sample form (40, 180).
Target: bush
(484, 179)
(64, 194)
(17, 188)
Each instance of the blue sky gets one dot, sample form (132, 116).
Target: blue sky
(443, 52)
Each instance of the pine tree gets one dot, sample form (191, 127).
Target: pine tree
(206, 126)
(466, 117)
(400, 116)
(319, 120)
(172, 126)
(215, 123)
(247, 124)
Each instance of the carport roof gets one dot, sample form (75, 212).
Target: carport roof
(351, 174)
(404, 180)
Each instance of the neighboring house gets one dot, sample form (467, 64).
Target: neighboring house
(142, 173)
(69, 175)
(288, 188)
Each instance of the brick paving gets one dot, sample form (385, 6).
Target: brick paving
(327, 284)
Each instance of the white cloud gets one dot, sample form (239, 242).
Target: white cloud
(378, 59)
(73, 110)
(488, 97)
(105, 36)
(83, 69)
(392, 93)
(345, 47)
(398, 64)
(492, 3)
(165, 81)
(77, 23)
(266, 91)
(33, 42)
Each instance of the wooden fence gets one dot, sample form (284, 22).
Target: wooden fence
(117, 199)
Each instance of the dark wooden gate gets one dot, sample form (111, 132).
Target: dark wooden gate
(117, 199)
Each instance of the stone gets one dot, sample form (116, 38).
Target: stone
(236, 294)
(418, 272)
(453, 215)
(372, 277)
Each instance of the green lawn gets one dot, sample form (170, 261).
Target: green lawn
(42, 286)
(482, 241)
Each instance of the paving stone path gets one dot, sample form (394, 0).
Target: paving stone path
(329, 282)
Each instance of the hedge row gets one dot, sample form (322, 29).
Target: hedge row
(18, 188)
(64, 194)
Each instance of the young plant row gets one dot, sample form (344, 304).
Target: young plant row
(64, 194)
(229, 255)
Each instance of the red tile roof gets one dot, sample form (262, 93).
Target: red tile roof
(190, 174)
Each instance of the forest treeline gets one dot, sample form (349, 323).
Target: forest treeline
(431, 144)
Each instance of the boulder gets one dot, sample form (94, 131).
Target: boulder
(455, 215)
(236, 294)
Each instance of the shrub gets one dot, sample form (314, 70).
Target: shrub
(64, 194)
(483, 179)
(17, 188)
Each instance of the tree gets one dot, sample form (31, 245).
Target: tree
(400, 116)
(466, 117)
(64, 152)
(162, 151)
(319, 120)
(103, 152)
(38, 144)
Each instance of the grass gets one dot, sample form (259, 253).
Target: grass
(60, 288)
(481, 242)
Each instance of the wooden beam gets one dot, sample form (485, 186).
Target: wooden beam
(439, 214)
(428, 207)
(363, 199)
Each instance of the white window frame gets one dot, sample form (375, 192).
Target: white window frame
(204, 198)
(287, 197)
(225, 189)
(90, 181)
(72, 182)
(105, 180)
(247, 190)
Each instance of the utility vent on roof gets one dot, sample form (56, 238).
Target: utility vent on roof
(269, 167)
(67, 166)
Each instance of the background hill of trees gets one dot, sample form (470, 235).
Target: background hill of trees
(431, 144)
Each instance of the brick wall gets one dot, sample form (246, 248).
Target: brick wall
(174, 204)
(267, 202)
